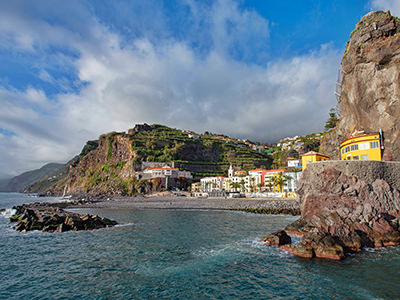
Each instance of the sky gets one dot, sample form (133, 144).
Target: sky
(256, 69)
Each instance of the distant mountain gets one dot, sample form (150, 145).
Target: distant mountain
(19, 182)
(3, 183)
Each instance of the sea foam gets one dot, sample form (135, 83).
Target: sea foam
(8, 212)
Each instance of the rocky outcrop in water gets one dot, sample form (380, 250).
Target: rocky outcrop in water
(278, 238)
(370, 93)
(346, 206)
(47, 218)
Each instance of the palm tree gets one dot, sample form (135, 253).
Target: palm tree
(269, 184)
(229, 185)
(260, 185)
(252, 180)
(280, 180)
(242, 183)
(235, 185)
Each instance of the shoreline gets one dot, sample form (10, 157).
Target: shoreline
(266, 206)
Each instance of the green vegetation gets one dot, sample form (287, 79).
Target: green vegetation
(110, 142)
(332, 121)
(159, 143)
(106, 178)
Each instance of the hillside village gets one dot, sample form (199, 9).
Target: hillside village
(283, 182)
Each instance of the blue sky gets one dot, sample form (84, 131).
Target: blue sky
(71, 70)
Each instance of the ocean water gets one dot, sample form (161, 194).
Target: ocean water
(175, 254)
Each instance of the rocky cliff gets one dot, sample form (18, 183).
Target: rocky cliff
(370, 91)
(346, 206)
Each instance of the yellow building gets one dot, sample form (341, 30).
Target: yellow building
(361, 147)
(311, 157)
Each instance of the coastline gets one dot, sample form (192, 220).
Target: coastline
(269, 205)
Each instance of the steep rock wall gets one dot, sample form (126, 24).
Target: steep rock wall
(370, 94)
(106, 170)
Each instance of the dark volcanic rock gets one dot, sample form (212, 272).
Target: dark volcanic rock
(47, 218)
(278, 238)
(346, 206)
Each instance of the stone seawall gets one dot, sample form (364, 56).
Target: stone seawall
(368, 170)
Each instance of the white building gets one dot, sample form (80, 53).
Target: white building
(294, 163)
(212, 184)
(162, 172)
(256, 177)
(292, 182)
(167, 172)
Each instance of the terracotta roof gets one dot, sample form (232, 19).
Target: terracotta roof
(275, 170)
(256, 170)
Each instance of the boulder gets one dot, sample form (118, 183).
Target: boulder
(278, 238)
(45, 217)
(345, 207)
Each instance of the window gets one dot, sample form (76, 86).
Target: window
(374, 145)
(356, 157)
(364, 157)
(343, 151)
(347, 149)
(354, 147)
(363, 146)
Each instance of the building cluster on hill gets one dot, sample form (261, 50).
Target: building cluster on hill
(263, 182)
(260, 182)
(284, 181)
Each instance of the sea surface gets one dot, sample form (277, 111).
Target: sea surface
(180, 254)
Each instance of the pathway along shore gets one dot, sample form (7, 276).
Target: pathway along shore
(268, 206)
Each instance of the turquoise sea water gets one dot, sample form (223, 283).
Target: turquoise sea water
(171, 254)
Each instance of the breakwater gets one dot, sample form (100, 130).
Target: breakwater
(269, 205)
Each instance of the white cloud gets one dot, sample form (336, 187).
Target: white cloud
(392, 5)
(168, 82)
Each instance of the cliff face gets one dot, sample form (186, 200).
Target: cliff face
(107, 168)
(370, 94)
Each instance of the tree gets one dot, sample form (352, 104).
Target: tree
(332, 121)
(278, 181)
(269, 184)
(252, 186)
(229, 185)
(242, 183)
(235, 185)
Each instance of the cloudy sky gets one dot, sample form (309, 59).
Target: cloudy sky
(71, 70)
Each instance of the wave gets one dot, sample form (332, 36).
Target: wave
(8, 212)
(124, 225)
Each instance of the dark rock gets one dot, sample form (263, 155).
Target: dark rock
(278, 238)
(299, 227)
(347, 206)
(47, 218)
